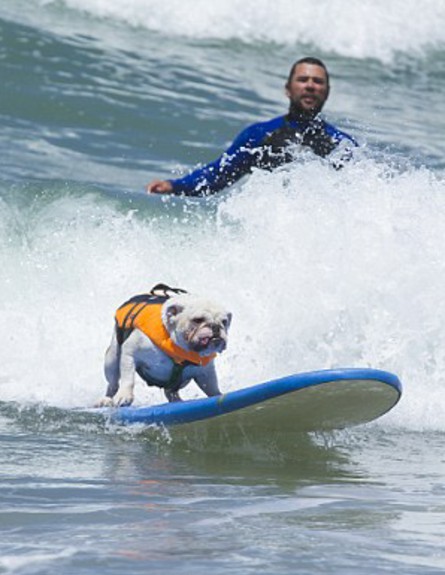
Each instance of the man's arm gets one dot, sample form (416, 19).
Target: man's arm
(234, 163)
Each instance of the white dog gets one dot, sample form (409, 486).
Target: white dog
(168, 340)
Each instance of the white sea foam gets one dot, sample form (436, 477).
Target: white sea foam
(367, 29)
(321, 269)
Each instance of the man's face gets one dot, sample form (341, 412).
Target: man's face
(308, 87)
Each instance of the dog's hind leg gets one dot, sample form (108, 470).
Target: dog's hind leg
(172, 396)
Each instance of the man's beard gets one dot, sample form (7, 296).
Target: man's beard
(296, 112)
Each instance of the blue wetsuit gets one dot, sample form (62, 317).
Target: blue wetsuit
(265, 145)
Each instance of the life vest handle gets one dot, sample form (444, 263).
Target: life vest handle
(163, 290)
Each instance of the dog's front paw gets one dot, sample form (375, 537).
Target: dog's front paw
(122, 399)
(104, 402)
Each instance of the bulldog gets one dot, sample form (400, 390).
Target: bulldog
(168, 337)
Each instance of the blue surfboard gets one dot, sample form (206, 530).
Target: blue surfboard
(314, 401)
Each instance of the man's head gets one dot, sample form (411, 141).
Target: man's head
(307, 87)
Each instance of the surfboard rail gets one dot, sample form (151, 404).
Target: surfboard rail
(325, 399)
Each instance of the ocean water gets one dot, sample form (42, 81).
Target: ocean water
(321, 269)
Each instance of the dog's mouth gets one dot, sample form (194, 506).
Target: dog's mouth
(210, 343)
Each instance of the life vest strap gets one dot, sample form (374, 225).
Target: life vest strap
(174, 382)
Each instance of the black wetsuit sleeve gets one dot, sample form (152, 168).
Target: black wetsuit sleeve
(237, 161)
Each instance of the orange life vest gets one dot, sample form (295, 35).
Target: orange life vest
(145, 313)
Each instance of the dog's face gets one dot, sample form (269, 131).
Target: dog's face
(196, 324)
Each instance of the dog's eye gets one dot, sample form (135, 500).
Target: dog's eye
(198, 320)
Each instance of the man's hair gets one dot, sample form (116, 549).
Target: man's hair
(308, 60)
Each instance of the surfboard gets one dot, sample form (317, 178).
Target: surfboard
(313, 401)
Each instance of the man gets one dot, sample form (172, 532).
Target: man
(270, 144)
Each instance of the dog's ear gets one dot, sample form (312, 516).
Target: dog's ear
(171, 312)
(229, 319)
